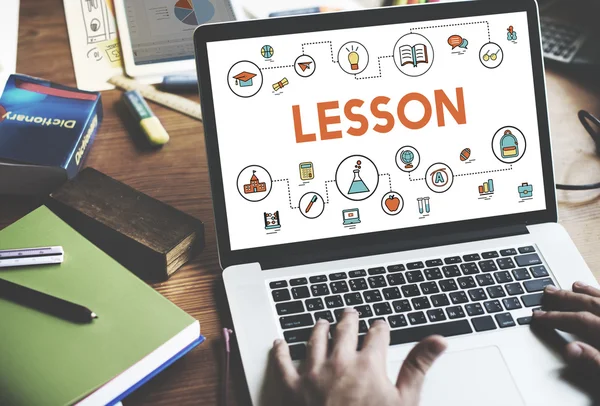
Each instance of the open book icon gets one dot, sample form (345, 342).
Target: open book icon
(413, 55)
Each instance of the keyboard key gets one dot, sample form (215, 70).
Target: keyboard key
(415, 265)
(338, 313)
(324, 315)
(278, 284)
(440, 300)
(528, 260)
(298, 281)
(280, 295)
(358, 284)
(469, 268)
(410, 290)
(334, 301)
(495, 292)
(458, 297)
(526, 250)
(455, 312)
(377, 271)
(300, 320)
(474, 309)
(429, 287)
(466, 282)
(539, 271)
(448, 285)
(451, 271)
(372, 296)
(434, 262)
(524, 320)
(471, 257)
(397, 320)
(493, 306)
(300, 292)
(298, 352)
(352, 299)
(401, 306)
(452, 260)
(420, 303)
(433, 274)
(396, 279)
(511, 303)
(372, 321)
(509, 252)
(364, 311)
(320, 289)
(537, 285)
(376, 281)
(417, 318)
(477, 294)
(381, 309)
(289, 308)
(490, 255)
(314, 304)
(485, 279)
(318, 279)
(521, 274)
(414, 276)
(484, 323)
(415, 334)
(362, 327)
(503, 277)
(514, 289)
(391, 293)
(396, 268)
(339, 287)
(296, 336)
(505, 320)
(436, 315)
(488, 266)
(337, 276)
(358, 273)
(505, 263)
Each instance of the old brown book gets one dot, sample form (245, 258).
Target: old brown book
(148, 237)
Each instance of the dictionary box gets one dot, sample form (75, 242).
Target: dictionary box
(46, 132)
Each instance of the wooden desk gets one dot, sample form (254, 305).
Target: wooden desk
(178, 175)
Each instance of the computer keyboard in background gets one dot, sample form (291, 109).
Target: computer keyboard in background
(561, 41)
(457, 295)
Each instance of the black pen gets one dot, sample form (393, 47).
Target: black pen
(45, 303)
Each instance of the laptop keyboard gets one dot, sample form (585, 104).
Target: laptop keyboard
(457, 295)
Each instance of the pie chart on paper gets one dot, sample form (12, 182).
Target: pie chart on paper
(194, 12)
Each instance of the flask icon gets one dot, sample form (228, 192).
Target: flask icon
(357, 186)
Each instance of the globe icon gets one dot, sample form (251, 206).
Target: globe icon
(267, 51)
(407, 157)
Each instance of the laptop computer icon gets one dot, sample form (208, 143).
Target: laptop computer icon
(351, 216)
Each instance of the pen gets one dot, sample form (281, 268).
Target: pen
(45, 303)
(179, 83)
(310, 205)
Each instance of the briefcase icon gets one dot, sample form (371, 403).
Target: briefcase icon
(525, 191)
(509, 145)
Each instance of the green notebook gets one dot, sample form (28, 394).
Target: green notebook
(50, 361)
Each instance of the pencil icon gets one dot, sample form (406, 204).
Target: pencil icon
(310, 205)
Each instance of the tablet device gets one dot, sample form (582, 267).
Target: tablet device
(157, 35)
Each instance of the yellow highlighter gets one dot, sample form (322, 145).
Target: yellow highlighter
(149, 123)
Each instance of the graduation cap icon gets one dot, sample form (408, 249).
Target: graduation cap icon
(304, 65)
(244, 79)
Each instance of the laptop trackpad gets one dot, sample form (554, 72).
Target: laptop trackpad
(472, 377)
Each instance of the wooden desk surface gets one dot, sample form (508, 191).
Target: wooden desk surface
(178, 175)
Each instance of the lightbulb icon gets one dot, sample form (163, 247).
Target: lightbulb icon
(353, 59)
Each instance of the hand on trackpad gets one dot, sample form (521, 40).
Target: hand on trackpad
(472, 377)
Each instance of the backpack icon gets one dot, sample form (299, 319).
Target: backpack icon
(509, 146)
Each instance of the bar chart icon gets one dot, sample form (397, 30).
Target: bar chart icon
(487, 188)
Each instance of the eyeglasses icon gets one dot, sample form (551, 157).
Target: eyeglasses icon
(493, 56)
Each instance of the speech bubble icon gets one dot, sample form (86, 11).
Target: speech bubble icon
(464, 44)
(455, 41)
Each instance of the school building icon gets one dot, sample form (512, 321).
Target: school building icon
(255, 185)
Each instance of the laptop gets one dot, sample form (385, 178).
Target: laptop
(351, 216)
(432, 121)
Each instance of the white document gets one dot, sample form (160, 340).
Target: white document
(94, 42)
(9, 33)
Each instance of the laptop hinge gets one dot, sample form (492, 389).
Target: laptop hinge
(397, 246)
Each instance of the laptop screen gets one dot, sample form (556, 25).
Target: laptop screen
(409, 125)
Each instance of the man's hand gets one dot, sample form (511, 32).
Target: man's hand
(576, 312)
(345, 376)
